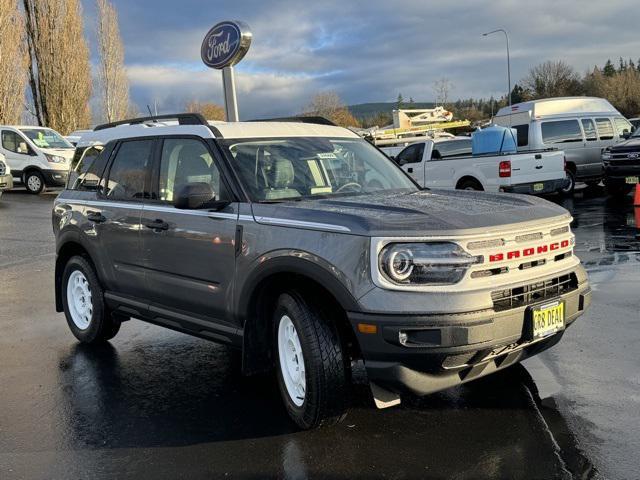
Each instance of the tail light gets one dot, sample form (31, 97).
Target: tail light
(504, 170)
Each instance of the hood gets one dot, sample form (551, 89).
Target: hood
(61, 152)
(426, 212)
(630, 145)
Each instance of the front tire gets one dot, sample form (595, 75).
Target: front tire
(87, 316)
(311, 370)
(34, 182)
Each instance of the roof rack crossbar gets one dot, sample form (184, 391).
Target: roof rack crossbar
(316, 120)
(183, 119)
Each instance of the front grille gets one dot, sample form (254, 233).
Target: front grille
(625, 162)
(3, 169)
(535, 292)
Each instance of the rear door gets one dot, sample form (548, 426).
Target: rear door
(115, 215)
(567, 135)
(189, 255)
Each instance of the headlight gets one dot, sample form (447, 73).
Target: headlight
(55, 158)
(430, 263)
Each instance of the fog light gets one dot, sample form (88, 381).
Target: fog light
(402, 338)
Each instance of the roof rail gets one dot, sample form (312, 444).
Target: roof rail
(183, 119)
(317, 120)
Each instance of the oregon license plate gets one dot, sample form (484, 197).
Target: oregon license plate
(547, 319)
(632, 180)
(538, 187)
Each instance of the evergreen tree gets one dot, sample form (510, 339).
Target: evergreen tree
(400, 102)
(609, 70)
(623, 66)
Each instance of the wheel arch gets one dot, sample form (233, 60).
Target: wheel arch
(261, 292)
(470, 178)
(69, 247)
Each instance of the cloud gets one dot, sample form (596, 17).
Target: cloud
(364, 50)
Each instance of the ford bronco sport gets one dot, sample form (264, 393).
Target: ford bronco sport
(305, 247)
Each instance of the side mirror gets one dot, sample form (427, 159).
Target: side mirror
(198, 195)
(22, 147)
(626, 134)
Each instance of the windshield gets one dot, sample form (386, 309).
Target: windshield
(46, 138)
(296, 168)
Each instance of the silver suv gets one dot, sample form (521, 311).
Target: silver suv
(305, 247)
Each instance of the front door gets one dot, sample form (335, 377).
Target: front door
(16, 151)
(592, 165)
(189, 254)
(410, 159)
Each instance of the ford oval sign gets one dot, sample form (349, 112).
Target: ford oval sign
(225, 44)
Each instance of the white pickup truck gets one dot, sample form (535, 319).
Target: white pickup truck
(448, 163)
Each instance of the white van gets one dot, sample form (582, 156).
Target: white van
(581, 126)
(38, 157)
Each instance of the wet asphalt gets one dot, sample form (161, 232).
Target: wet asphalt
(158, 404)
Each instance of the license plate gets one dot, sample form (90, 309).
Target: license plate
(632, 180)
(547, 319)
(538, 187)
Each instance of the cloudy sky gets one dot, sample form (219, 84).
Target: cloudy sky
(366, 51)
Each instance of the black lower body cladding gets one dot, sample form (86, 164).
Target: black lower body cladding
(424, 354)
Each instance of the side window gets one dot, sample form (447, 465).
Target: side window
(562, 131)
(128, 171)
(86, 173)
(411, 154)
(621, 126)
(186, 161)
(451, 148)
(523, 134)
(589, 130)
(605, 129)
(14, 143)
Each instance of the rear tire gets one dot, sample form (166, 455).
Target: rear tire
(82, 298)
(469, 185)
(311, 370)
(570, 185)
(34, 182)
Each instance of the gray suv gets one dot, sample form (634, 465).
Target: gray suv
(309, 250)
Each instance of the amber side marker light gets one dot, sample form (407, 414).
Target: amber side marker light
(367, 328)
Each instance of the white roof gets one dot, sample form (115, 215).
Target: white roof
(279, 129)
(560, 106)
(233, 130)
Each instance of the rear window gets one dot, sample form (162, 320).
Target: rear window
(605, 128)
(523, 134)
(451, 148)
(562, 131)
(589, 130)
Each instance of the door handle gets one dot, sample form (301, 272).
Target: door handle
(410, 170)
(157, 224)
(96, 217)
(538, 167)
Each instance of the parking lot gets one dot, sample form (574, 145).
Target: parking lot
(157, 404)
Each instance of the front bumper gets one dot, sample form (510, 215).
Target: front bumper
(453, 349)
(55, 178)
(6, 182)
(548, 186)
(617, 175)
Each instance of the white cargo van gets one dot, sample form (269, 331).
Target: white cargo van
(447, 163)
(38, 157)
(581, 126)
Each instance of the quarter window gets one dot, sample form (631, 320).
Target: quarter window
(562, 131)
(86, 173)
(128, 172)
(605, 129)
(451, 148)
(186, 161)
(411, 154)
(589, 130)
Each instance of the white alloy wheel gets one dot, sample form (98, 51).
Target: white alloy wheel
(291, 360)
(79, 300)
(34, 183)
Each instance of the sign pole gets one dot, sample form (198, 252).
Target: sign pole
(230, 100)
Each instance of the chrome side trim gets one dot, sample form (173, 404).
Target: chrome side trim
(162, 208)
(285, 222)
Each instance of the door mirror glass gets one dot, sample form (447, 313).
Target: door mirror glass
(194, 195)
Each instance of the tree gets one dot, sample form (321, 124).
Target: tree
(210, 111)
(609, 70)
(552, 79)
(442, 88)
(13, 59)
(329, 106)
(113, 82)
(399, 102)
(59, 69)
(519, 94)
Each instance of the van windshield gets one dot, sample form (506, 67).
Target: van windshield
(300, 168)
(46, 138)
